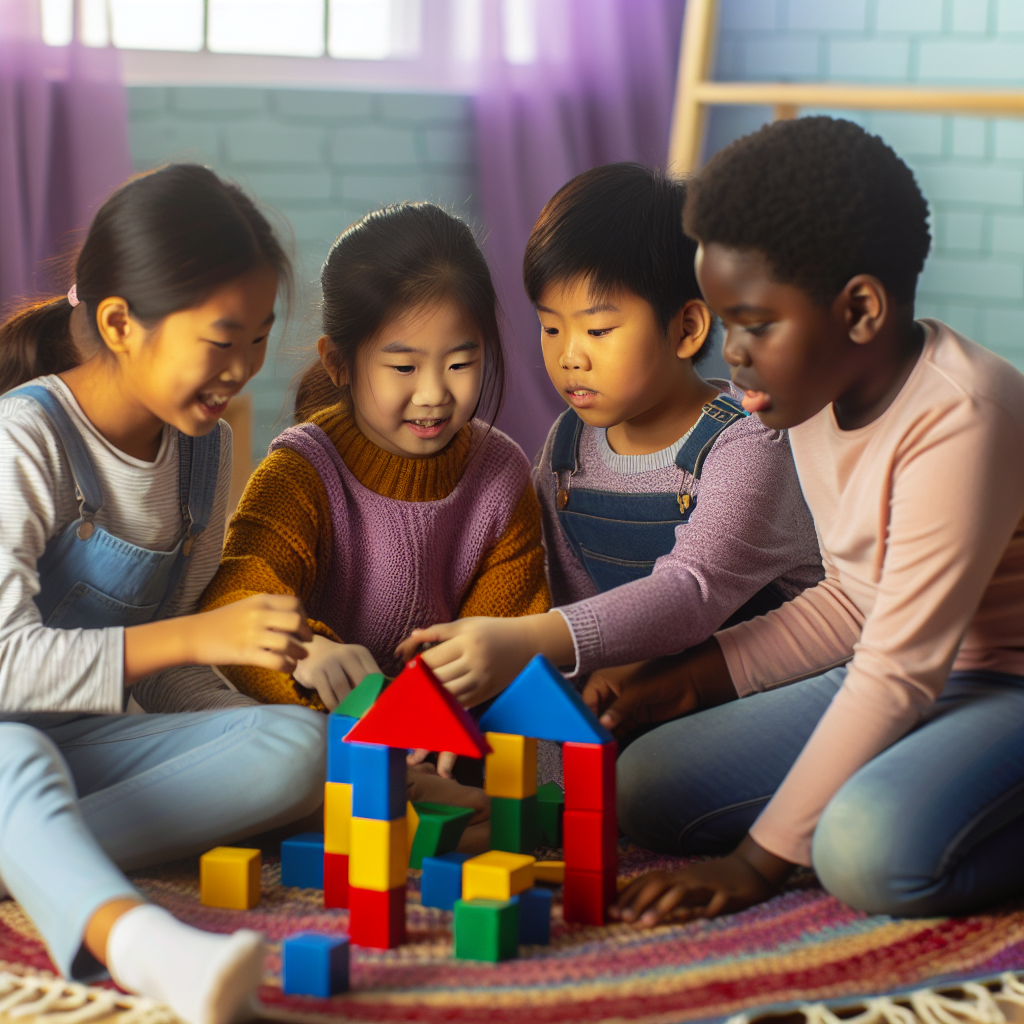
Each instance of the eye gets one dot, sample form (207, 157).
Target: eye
(405, 369)
(550, 331)
(218, 344)
(599, 332)
(260, 341)
(461, 366)
(757, 329)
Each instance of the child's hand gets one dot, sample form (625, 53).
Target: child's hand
(725, 885)
(265, 630)
(445, 762)
(604, 686)
(333, 669)
(475, 658)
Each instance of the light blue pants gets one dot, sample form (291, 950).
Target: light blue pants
(932, 826)
(84, 799)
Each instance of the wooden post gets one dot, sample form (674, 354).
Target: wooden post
(695, 66)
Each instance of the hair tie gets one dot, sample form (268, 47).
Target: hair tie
(73, 294)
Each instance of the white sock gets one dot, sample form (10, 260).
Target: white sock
(204, 977)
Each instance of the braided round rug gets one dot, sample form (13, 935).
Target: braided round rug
(801, 947)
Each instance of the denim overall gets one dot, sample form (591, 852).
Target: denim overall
(618, 537)
(90, 579)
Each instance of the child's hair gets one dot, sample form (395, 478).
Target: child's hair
(163, 242)
(396, 259)
(617, 226)
(822, 200)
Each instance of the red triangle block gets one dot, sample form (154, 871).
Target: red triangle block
(416, 711)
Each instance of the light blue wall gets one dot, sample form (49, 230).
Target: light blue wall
(970, 169)
(320, 159)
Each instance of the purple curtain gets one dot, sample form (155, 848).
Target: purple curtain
(599, 91)
(63, 146)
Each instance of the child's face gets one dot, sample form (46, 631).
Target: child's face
(608, 357)
(185, 370)
(786, 351)
(418, 382)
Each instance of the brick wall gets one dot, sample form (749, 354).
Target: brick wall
(320, 160)
(971, 169)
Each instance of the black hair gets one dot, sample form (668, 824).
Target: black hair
(617, 226)
(822, 199)
(164, 241)
(396, 259)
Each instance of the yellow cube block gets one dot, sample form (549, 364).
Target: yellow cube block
(337, 817)
(412, 822)
(229, 876)
(379, 857)
(496, 875)
(511, 768)
(550, 871)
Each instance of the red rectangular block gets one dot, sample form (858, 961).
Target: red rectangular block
(590, 840)
(589, 773)
(335, 879)
(376, 919)
(587, 896)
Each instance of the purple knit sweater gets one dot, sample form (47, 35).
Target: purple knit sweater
(750, 527)
(398, 565)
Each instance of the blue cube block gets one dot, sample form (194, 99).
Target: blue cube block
(535, 917)
(338, 727)
(378, 781)
(302, 861)
(315, 965)
(441, 884)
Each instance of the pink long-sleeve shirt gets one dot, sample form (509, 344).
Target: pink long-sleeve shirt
(919, 515)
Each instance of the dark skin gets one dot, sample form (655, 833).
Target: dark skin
(793, 354)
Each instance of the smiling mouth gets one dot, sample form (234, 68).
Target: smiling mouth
(213, 402)
(580, 397)
(427, 428)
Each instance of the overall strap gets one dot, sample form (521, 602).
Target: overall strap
(566, 448)
(198, 470)
(90, 496)
(718, 414)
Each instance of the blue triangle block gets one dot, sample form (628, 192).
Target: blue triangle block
(541, 703)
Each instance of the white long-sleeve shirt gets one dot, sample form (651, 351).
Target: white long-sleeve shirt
(82, 670)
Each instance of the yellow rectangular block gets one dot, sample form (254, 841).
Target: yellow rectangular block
(496, 875)
(337, 817)
(412, 822)
(229, 876)
(511, 769)
(550, 871)
(379, 857)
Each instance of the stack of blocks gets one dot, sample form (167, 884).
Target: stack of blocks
(510, 781)
(337, 810)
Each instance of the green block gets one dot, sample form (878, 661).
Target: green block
(362, 698)
(439, 831)
(486, 929)
(550, 805)
(514, 824)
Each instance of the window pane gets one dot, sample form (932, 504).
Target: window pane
(157, 24)
(519, 22)
(467, 28)
(291, 27)
(93, 24)
(360, 29)
(57, 21)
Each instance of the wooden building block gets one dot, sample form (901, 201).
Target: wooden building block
(314, 965)
(587, 896)
(302, 861)
(441, 884)
(534, 917)
(496, 875)
(511, 767)
(412, 824)
(364, 696)
(439, 831)
(486, 930)
(591, 840)
(338, 727)
(377, 919)
(588, 771)
(550, 871)
(229, 876)
(378, 858)
(550, 805)
(378, 781)
(514, 825)
(336, 880)
(337, 817)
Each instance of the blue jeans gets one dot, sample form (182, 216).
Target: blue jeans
(932, 826)
(84, 799)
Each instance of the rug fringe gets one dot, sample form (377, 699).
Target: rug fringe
(27, 997)
(974, 1003)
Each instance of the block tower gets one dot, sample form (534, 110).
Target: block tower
(541, 704)
(510, 779)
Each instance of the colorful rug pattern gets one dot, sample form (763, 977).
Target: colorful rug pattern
(803, 945)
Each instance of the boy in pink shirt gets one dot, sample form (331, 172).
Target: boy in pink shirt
(880, 734)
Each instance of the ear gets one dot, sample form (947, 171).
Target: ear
(335, 368)
(690, 327)
(865, 306)
(115, 324)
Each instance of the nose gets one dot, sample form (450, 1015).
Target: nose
(734, 352)
(431, 391)
(574, 353)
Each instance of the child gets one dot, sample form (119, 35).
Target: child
(667, 511)
(113, 472)
(899, 775)
(391, 506)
